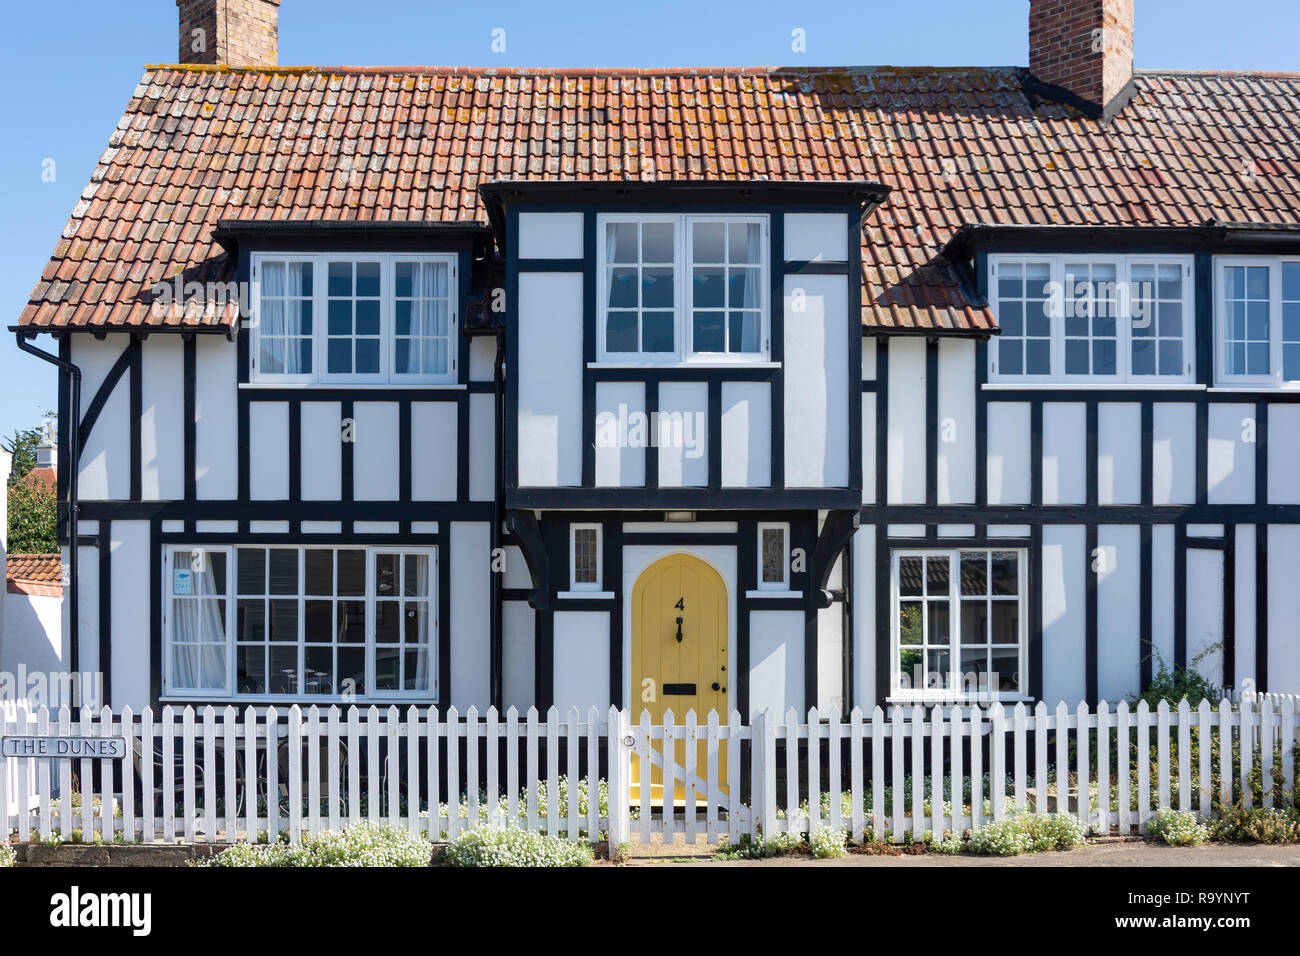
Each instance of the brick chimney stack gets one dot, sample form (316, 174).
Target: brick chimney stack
(229, 32)
(1085, 48)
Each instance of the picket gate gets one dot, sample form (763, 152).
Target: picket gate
(225, 775)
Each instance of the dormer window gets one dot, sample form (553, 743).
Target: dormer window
(1094, 320)
(683, 289)
(339, 319)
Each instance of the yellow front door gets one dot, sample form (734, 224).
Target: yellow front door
(679, 656)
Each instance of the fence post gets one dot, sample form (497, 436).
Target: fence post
(620, 755)
(764, 731)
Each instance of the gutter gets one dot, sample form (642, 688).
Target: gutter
(73, 520)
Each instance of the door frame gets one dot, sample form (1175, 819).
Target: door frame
(637, 558)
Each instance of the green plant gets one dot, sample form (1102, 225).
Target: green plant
(1178, 828)
(510, 846)
(7, 855)
(1182, 683)
(1025, 833)
(827, 842)
(1257, 824)
(32, 520)
(363, 844)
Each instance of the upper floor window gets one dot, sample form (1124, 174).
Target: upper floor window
(683, 288)
(1092, 319)
(358, 318)
(1257, 321)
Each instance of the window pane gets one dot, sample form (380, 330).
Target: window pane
(284, 621)
(250, 670)
(621, 332)
(623, 288)
(1005, 669)
(319, 665)
(416, 623)
(320, 571)
(250, 621)
(416, 670)
(1005, 568)
(318, 625)
(622, 238)
(352, 622)
(1038, 357)
(909, 622)
(743, 332)
(657, 242)
(909, 575)
(388, 668)
(936, 669)
(585, 569)
(773, 556)
(657, 288)
(388, 622)
(1005, 622)
(352, 670)
(284, 571)
(974, 622)
(709, 242)
(974, 574)
(368, 278)
(936, 575)
(657, 332)
(744, 242)
(386, 575)
(283, 677)
(251, 578)
(709, 285)
(709, 335)
(416, 580)
(938, 629)
(339, 281)
(352, 572)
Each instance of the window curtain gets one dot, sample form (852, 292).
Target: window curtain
(749, 339)
(430, 319)
(293, 318)
(199, 653)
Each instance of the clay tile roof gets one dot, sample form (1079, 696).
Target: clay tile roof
(958, 145)
(36, 574)
(40, 475)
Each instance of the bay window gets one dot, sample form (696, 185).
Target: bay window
(1092, 319)
(332, 319)
(958, 624)
(300, 622)
(683, 289)
(1257, 321)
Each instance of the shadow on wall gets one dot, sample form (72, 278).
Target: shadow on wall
(31, 633)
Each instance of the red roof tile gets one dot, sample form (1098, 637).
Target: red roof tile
(959, 146)
(35, 574)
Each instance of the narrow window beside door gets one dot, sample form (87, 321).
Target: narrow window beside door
(584, 548)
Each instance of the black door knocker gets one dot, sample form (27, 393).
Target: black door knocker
(679, 630)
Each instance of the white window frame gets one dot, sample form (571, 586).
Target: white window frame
(1274, 380)
(784, 583)
(683, 291)
(1124, 376)
(574, 583)
(320, 319)
(955, 692)
(370, 599)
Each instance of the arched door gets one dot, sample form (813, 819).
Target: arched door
(679, 651)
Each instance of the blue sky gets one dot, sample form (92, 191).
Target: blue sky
(67, 69)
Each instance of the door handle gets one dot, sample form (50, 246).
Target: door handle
(717, 686)
(679, 630)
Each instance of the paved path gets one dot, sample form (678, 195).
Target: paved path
(1138, 853)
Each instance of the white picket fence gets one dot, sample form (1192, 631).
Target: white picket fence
(224, 776)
